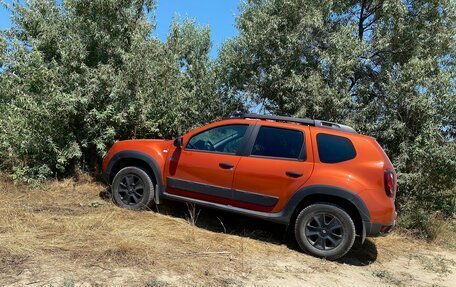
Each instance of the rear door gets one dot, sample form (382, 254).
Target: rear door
(278, 160)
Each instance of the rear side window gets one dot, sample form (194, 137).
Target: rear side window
(278, 142)
(333, 149)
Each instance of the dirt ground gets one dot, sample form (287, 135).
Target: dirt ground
(64, 234)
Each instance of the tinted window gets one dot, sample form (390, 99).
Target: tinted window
(277, 142)
(332, 149)
(224, 139)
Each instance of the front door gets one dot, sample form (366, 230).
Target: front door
(204, 167)
(278, 162)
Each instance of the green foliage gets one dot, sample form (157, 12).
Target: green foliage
(79, 75)
(76, 76)
(385, 67)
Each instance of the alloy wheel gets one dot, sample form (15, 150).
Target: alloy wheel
(131, 189)
(324, 231)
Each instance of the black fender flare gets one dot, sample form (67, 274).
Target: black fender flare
(335, 191)
(150, 161)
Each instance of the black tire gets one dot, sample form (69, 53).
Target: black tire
(132, 188)
(325, 230)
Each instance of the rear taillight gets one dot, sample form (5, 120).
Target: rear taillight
(389, 183)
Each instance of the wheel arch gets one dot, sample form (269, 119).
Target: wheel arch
(346, 199)
(139, 159)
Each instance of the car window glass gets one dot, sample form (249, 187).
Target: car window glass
(333, 149)
(224, 139)
(232, 146)
(278, 142)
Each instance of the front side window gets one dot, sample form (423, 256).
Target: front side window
(334, 149)
(223, 139)
(278, 142)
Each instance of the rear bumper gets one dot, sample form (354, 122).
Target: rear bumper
(373, 229)
(381, 225)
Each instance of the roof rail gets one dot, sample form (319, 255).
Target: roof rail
(303, 121)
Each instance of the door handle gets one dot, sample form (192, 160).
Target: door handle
(225, 165)
(293, 174)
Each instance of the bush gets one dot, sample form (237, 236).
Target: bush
(79, 75)
(385, 67)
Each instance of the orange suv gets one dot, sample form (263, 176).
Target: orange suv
(323, 179)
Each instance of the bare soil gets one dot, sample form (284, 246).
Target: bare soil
(64, 234)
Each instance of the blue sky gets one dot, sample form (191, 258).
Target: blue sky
(218, 14)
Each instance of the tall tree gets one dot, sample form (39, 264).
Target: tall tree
(385, 66)
(77, 75)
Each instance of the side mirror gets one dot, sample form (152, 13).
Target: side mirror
(178, 142)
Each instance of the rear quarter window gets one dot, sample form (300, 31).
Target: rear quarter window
(334, 149)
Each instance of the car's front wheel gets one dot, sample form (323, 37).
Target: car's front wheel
(325, 230)
(132, 188)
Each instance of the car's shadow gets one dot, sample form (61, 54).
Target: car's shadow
(230, 223)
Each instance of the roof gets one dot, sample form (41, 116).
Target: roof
(303, 121)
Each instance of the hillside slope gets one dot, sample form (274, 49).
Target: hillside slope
(64, 234)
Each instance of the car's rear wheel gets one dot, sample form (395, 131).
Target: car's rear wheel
(325, 230)
(132, 188)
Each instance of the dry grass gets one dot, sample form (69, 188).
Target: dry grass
(68, 222)
(63, 232)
